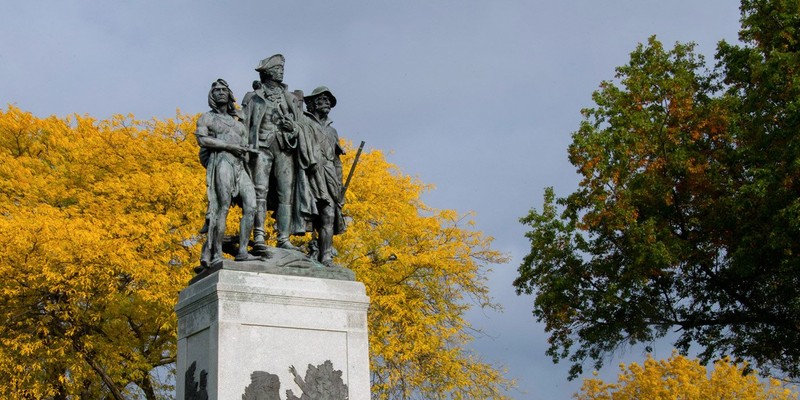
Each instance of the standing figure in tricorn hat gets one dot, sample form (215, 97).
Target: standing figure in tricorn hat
(271, 114)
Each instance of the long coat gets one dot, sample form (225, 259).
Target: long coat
(254, 107)
(319, 150)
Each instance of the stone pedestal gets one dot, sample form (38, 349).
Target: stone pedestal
(249, 335)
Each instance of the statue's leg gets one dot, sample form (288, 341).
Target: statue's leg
(283, 218)
(224, 187)
(248, 196)
(313, 244)
(284, 173)
(326, 235)
(205, 256)
(261, 170)
(205, 252)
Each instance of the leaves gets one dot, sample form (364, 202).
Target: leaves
(681, 378)
(98, 234)
(423, 269)
(91, 250)
(685, 217)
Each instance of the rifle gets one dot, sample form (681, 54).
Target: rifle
(352, 169)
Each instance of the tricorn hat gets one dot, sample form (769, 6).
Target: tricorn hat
(270, 62)
(320, 90)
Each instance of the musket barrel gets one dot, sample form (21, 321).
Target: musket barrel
(352, 168)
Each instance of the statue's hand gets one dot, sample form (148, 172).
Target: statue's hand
(238, 151)
(287, 125)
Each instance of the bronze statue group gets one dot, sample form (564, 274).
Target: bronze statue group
(271, 155)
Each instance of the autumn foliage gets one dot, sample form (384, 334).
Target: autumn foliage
(92, 255)
(679, 378)
(423, 268)
(687, 215)
(98, 234)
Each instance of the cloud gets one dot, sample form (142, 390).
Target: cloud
(477, 98)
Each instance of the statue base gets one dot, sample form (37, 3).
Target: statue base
(254, 335)
(283, 262)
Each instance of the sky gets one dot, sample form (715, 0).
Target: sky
(478, 98)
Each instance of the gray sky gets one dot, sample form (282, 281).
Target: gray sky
(477, 98)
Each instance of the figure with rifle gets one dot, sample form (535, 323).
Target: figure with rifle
(325, 177)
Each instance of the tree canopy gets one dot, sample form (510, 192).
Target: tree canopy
(423, 269)
(98, 234)
(682, 378)
(687, 217)
(94, 216)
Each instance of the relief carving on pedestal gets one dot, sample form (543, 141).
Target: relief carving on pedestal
(193, 390)
(320, 382)
(263, 386)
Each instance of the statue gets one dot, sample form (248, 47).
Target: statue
(224, 151)
(271, 114)
(272, 156)
(324, 173)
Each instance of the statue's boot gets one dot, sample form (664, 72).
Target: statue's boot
(259, 236)
(247, 257)
(216, 263)
(216, 235)
(245, 227)
(326, 245)
(205, 254)
(214, 246)
(313, 249)
(325, 235)
(283, 220)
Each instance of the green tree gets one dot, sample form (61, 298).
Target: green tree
(687, 216)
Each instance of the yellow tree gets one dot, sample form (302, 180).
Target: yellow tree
(681, 378)
(98, 234)
(423, 268)
(94, 217)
